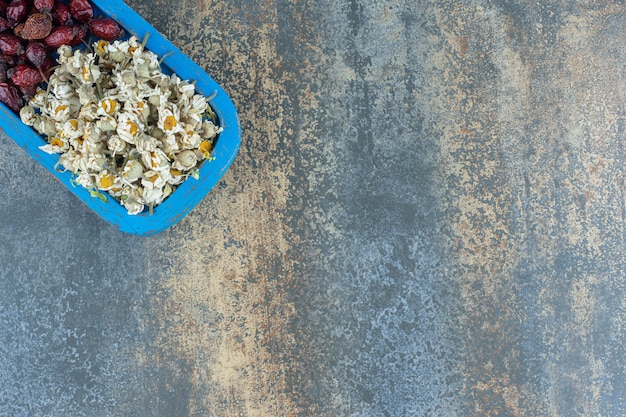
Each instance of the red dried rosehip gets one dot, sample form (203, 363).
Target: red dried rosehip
(25, 76)
(79, 36)
(4, 24)
(10, 96)
(81, 10)
(61, 13)
(3, 71)
(3, 6)
(105, 28)
(28, 91)
(10, 44)
(9, 59)
(43, 5)
(16, 11)
(60, 35)
(21, 59)
(47, 66)
(17, 30)
(36, 53)
(37, 26)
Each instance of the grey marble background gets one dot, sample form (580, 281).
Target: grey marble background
(426, 218)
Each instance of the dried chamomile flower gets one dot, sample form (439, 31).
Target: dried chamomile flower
(27, 115)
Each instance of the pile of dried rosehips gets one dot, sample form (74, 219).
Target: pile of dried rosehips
(31, 31)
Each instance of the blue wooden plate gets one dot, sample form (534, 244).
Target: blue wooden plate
(191, 191)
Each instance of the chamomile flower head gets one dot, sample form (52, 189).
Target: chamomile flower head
(175, 176)
(185, 160)
(39, 99)
(186, 90)
(146, 143)
(88, 112)
(56, 144)
(209, 130)
(152, 180)
(86, 94)
(100, 48)
(129, 127)
(59, 110)
(45, 125)
(153, 196)
(106, 180)
(65, 54)
(132, 171)
(73, 128)
(116, 145)
(169, 119)
(107, 124)
(170, 143)
(63, 90)
(155, 160)
(85, 179)
(108, 107)
(190, 138)
(71, 160)
(96, 162)
(27, 115)
(130, 198)
(139, 107)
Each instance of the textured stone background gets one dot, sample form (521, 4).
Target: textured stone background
(426, 218)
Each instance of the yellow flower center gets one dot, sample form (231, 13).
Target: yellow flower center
(153, 157)
(102, 45)
(109, 105)
(56, 142)
(106, 181)
(61, 108)
(132, 127)
(86, 73)
(205, 148)
(175, 172)
(74, 124)
(169, 123)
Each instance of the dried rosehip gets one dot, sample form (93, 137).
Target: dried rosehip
(61, 13)
(10, 96)
(3, 71)
(10, 44)
(79, 36)
(36, 53)
(43, 5)
(3, 6)
(81, 10)
(16, 11)
(37, 26)
(9, 59)
(47, 66)
(105, 28)
(21, 59)
(28, 91)
(4, 24)
(25, 76)
(17, 30)
(60, 35)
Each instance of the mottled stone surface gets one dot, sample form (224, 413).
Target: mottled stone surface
(426, 218)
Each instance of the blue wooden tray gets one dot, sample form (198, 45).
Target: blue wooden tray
(191, 191)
